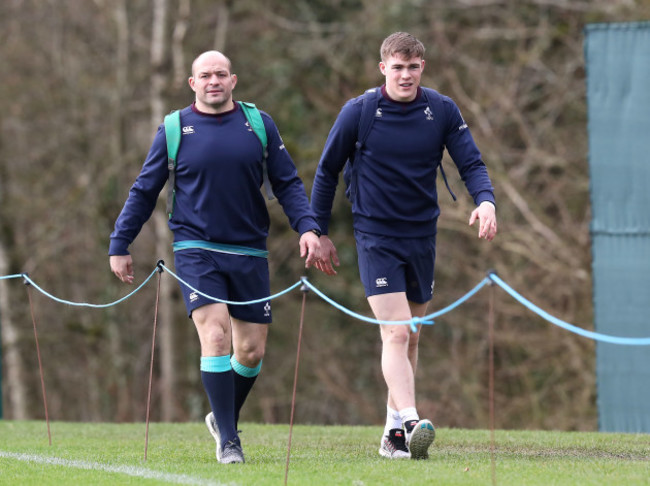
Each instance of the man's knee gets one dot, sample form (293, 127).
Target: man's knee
(251, 352)
(249, 342)
(213, 326)
(396, 334)
(215, 335)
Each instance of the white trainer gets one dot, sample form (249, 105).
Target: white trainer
(214, 430)
(420, 438)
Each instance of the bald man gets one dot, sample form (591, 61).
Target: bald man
(220, 225)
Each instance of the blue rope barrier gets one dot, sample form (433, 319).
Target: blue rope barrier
(629, 341)
(216, 299)
(413, 323)
(462, 300)
(85, 304)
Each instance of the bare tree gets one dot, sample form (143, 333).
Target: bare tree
(159, 79)
(221, 31)
(15, 384)
(178, 38)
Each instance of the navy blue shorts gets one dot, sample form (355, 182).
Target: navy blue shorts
(389, 264)
(237, 278)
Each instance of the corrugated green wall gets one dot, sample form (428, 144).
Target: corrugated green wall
(618, 99)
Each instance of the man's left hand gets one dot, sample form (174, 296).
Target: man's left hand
(487, 217)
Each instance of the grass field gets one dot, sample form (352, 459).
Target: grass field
(109, 454)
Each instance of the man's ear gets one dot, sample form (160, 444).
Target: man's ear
(382, 67)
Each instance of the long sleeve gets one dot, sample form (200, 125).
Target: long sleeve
(467, 157)
(287, 186)
(339, 147)
(142, 197)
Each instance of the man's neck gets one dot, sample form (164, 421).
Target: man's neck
(214, 110)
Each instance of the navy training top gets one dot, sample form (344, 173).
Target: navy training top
(218, 180)
(395, 190)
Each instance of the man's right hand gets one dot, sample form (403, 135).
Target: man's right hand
(328, 256)
(122, 267)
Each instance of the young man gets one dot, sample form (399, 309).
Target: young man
(395, 208)
(220, 225)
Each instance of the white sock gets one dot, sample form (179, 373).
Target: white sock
(408, 414)
(393, 420)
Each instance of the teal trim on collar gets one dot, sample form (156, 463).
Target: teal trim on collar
(219, 247)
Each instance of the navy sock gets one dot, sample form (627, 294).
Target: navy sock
(244, 378)
(219, 384)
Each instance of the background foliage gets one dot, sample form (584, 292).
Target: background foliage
(85, 83)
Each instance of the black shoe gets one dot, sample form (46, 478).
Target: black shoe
(393, 445)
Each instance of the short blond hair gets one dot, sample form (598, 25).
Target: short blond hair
(402, 43)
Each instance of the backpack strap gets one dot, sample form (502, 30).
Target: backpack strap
(254, 118)
(173, 137)
(369, 105)
(433, 100)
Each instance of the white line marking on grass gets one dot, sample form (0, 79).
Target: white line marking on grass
(139, 472)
